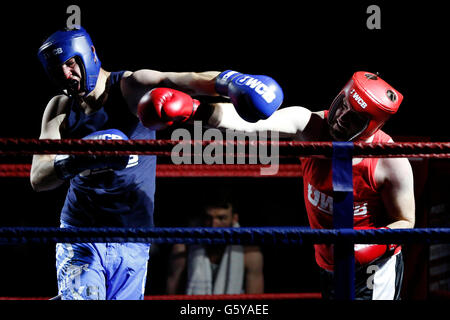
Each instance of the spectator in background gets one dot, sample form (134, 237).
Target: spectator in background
(216, 269)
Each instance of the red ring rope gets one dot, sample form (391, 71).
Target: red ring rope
(182, 170)
(21, 146)
(264, 296)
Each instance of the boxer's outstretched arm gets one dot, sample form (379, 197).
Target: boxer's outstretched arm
(289, 122)
(135, 84)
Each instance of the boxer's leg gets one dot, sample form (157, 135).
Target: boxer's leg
(126, 267)
(79, 272)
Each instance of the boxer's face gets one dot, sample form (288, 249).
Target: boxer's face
(346, 122)
(68, 76)
(217, 217)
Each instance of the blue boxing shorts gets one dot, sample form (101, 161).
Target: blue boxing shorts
(101, 271)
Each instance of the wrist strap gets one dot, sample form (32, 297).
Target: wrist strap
(223, 80)
(62, 167)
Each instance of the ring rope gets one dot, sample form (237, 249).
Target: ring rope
(270, 235)
(212, 297)
(245, 235)
(263, 296)
(22, 146)
(182, 170)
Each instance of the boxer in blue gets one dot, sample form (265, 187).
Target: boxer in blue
(115, 191)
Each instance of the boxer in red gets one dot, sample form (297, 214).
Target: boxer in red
(383, 188)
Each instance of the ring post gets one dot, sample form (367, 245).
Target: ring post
(344, 255)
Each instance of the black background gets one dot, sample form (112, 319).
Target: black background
(311, 50)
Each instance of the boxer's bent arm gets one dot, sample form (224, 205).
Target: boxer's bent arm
(397, 191)
(135, 84)
(42, 174)
(289, 122)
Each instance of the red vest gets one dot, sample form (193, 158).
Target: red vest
(318, 193)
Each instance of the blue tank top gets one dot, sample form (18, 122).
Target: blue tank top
(123, 198)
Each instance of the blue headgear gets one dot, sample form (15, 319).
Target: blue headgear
(63, 45)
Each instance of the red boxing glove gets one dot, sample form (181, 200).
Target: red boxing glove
(161, 107)
(367, 253)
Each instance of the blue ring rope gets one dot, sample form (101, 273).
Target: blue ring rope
(246, 235)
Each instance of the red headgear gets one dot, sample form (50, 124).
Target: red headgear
(371, 96)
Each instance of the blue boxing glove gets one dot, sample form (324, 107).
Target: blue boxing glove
(68, 166)
(254, 97)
